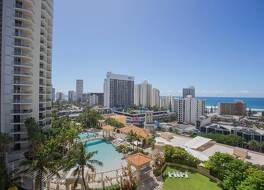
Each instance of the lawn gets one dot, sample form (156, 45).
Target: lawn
(195, 181)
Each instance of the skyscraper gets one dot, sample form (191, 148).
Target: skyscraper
(188, 91)
(118, 90)
(137, 89)
(189, 109)
(143, 94)
(155, 98)
(79, 90)
(26, 64)
(71, 96)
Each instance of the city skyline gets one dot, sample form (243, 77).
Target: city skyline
(179, 44)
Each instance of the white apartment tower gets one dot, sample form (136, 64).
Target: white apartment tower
(189, 109)
(137, 92)
(25, 67)
(145, 94)
(79, 90)
(155, 98)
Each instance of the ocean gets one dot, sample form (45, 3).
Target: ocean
(256, 104)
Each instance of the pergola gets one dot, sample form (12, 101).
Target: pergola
(141, 163)
(107, 131)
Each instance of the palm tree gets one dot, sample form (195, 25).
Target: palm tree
(81, 158)
(44, 163)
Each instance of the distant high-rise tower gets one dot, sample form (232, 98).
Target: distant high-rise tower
(25, 68)
(118, 90)
(79, 90)
(188, 91)
(155, 98)
(71, 96)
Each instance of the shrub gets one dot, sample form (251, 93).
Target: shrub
(180, 156)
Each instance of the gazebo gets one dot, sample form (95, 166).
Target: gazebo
(141, 164)
(107, 131)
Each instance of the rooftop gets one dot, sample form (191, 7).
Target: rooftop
(197, 142)
(108, 127)
(138, 159)
(139, 131)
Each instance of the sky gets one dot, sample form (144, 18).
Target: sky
(215, 45)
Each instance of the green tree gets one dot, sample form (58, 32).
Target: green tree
(254, 145)
(179, 156)
(254, 180)
(80, 158)
(90, 118)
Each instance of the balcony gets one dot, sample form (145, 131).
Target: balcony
(23, 46)
(22, 92)
(22, 111)
(23, 83)
(23, 73)
(22, 101)
(23, 8)
(23, 54)
(23, 64)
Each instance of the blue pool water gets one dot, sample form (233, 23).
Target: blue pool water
(86, 135)
(107, 154)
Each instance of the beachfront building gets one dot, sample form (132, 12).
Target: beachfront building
(234, 108)
(189, 110)
(118, 91)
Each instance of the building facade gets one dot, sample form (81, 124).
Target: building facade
(53, 94)
(26, 66)
(189, 110)
(155, 99)
(79, 90)
(188, 91)
(235, 108)
(118, 90)
(71, 96)
(143, 94)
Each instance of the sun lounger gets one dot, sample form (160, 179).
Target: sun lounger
(186, 175)
(170, 174)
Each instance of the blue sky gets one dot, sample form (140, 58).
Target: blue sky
(215, 45)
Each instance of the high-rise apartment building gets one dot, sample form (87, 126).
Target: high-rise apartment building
(155, 98)
(118, 90)
(71, 96)
(189, 110)
(79, 90)
(26, 65)
(137, 92)
(143, 94)
(188, 91)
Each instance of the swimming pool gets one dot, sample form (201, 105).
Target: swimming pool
(107, 154)
(86, 135)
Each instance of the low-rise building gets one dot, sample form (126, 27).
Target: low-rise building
(234, 108)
